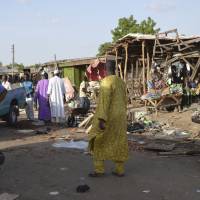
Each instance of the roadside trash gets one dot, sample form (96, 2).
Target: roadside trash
(2, 158)
(141, 142)
(182, 134)
(146, 191)
(41, 131)
(28, 131)
(7, 196)
(72, 144)
(54, 193)
(159, 147)
(135, 127)
(38, 123)
(82, 187)
(63, 168)
(140, 115)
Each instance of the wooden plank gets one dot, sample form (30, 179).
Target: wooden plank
(116, 62)
(136, 73)
(143, 63)
(85, 121)
(126, 62)
(195, 70)
(120, 70)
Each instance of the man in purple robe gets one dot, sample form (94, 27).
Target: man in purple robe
(42, 98)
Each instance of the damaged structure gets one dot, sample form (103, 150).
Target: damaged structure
(140, 51)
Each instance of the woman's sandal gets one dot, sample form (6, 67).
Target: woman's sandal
(95, 174)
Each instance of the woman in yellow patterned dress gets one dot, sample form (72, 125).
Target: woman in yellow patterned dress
(108, 138)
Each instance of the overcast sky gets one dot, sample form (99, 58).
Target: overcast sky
(75, 28)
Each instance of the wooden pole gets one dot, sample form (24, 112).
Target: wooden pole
(120, 69)
(148, 64)
(126, 62)
(136, 71)
(116, 62)
(143, 63)
(132, 71)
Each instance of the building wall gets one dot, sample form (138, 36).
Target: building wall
(74, 73)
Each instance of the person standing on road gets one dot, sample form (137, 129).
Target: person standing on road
(56, 91)
(42, 98)
(5, 82)
(28, 86)
(84, 101)
(108, 138)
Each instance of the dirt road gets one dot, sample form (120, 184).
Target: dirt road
(34, 168)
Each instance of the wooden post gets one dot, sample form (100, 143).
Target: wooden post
(132, 76)
(116, 62)
(148, 64)
(126, 62)
(120, 69)
(136, 71)
(143, 63)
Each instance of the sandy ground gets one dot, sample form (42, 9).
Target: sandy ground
(178, 120)
(34, 168)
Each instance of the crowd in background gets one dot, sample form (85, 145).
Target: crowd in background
(50, 95)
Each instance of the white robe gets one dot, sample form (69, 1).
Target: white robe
(56, 90)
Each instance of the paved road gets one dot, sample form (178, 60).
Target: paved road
(32, 171)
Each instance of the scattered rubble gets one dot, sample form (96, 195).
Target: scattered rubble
(7, 196)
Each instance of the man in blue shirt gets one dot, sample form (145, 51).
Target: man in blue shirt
(28, 86)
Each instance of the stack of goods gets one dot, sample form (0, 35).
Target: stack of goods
(176, 89)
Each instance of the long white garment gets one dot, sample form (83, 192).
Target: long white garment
(56, 90)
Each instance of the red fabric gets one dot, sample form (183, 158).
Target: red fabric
(96, 71)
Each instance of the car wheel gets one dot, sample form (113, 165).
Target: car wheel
(12, 116)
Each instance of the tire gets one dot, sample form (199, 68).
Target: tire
(2, 158)
(170, 108)
(12, 115)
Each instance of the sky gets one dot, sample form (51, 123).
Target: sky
(75, 28)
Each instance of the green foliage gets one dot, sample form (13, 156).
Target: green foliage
(130, 25)
(103, 48)
(19, 67)
(148, 26)
(126, 26)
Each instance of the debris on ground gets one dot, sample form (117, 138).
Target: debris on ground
(196, 116)
(7, 196)
(54, 193)
(82, 145)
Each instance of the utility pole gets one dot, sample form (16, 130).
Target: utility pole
(55, 60)
(13, 58)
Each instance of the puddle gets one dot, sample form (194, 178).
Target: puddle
(71, 144)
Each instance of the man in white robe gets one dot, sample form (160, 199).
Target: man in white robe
(56, 91)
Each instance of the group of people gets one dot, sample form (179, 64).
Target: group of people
(48, 97)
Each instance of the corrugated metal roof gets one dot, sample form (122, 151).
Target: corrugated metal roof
(140, 36)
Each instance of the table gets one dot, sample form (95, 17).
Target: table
(164, 101)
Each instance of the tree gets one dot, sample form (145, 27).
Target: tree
(18, 66)
(126, 26)
(148, 26)
(103, 48)
(1, 64)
